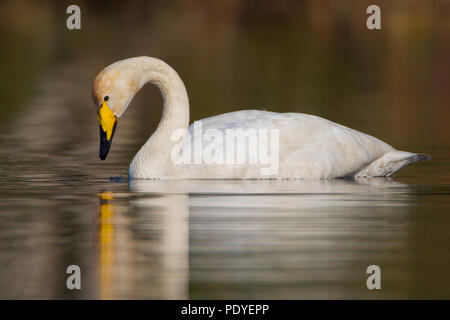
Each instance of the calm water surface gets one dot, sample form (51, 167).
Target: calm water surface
(222, 239)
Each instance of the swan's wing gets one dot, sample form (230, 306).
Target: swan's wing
(309, 146)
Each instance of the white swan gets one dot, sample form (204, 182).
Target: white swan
(308, 147)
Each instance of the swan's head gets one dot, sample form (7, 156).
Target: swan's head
(114, 88)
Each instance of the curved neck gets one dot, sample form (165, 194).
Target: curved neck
(156, 152)
(175, 113)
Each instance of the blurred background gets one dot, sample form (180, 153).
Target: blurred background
(58, 205)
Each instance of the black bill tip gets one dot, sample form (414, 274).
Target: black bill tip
(105, 144)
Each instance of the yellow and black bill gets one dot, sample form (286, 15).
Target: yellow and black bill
(108, 122)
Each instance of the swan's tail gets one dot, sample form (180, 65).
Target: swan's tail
(390, 163)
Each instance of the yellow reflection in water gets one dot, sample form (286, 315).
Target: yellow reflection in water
(106, 244)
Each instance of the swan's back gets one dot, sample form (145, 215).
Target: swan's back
(310, 147)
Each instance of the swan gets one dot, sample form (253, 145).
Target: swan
(302, 146)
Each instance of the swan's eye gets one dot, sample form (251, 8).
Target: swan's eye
(106, 98)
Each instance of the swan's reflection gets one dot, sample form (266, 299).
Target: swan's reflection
(106, 233)
(250, 239)
(294, 194)
(374, 185)
(166, 219)
(281, 239)
(143, 246)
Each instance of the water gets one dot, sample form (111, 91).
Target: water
(60, 205)
(227, 239)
